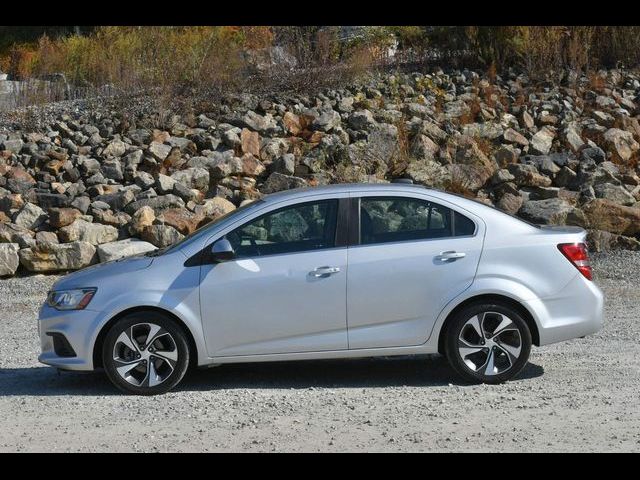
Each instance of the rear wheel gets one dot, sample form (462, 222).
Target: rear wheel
(488, 343)
(145, 353)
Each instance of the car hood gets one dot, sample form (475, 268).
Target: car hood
(91, 276)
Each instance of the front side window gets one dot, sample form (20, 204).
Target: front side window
(397, 219)
(296, 228)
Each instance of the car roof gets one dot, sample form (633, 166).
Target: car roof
(371, 187)
(340, 188)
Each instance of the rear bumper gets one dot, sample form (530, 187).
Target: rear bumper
(576, 311)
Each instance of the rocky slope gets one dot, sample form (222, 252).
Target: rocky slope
(92, 184)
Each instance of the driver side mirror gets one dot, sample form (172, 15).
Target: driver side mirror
(221, 251)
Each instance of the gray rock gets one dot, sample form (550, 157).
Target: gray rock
(83, 231)
(550, 211)
(123, 248)
(157, 203)
(285, 165)
(9, 260)
(489, 131)
(277, 182)
(160, 151)
(30, 216)
(144, 180)
(112, 169)
(362, 120)
(193, 177)
(115, 148)
(46, 237)
(541, 142)
(614, 193)
(327, 121)
(118, 200)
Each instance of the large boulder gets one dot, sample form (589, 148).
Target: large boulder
(161, 235)
(194, 177)
(61, 217)
(83, 231)
(181, 219)
(12, 233)
(606, 215)
(52, 257)
(554, 211)
(30, 216)
(621, 143)
(214, 207)
(278, 182)
(614, 193)
(123, 248)
(541, 142)
(8, 258)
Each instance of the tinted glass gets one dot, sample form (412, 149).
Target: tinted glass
(463, 226)
(298, 228)
(396, 219)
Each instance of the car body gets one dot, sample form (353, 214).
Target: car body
(368, 291)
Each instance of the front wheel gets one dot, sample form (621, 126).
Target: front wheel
(145, 353)
(488, 343)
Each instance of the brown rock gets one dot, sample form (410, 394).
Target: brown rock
(606, 215)
(182, 220)
(250, 142)
(11, 201)
(61, 217)
(251, 166)
(54, 166)
(20, 174)
(160, 136)
(142, 218)
(510, 203)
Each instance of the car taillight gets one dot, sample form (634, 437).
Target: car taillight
(577, 254)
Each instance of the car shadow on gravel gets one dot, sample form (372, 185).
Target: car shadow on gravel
(414, 371)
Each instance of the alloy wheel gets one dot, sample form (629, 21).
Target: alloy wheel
(489, 343)
(145, 354)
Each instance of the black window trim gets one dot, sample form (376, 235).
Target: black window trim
(354, 227)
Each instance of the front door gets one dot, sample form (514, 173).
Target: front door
(285, 291)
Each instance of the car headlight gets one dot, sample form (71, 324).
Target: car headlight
(76, 299)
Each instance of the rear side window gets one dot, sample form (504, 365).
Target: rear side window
(297, 228)
(397, 219)
(462, 225)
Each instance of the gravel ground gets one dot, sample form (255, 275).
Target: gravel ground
(581, 395)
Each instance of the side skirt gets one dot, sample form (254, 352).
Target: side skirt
(358, 353)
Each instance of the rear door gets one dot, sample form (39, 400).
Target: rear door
(413, 255)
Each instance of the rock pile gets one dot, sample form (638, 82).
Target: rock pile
(94, 185)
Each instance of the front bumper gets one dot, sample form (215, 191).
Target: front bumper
(77, 327)
(577, 310)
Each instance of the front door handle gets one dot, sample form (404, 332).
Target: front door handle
(324, 271)
(451, 255)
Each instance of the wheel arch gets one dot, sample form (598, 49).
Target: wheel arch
(97, 346)
(496, 298)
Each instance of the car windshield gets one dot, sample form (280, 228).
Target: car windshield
(207, 226)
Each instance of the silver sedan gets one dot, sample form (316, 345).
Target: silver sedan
(340, 271)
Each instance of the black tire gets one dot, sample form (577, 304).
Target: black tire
(160, 365)
(507, 341)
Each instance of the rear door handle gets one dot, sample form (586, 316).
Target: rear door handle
(324, 271)
(451, 255)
